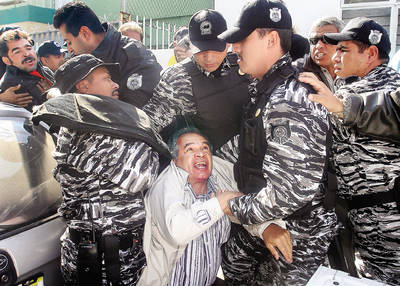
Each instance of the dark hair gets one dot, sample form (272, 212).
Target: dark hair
(285, 37)
(363, 46)
(75, 15)
(173, 139)
(9, 36)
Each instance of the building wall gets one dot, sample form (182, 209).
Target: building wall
(31, 27)
(175, 12)
(303, 12)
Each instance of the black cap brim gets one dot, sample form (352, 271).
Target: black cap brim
(235, 34)
(334, 38)
(207, 45)
(113, 68)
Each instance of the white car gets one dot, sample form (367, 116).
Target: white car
(30, 227)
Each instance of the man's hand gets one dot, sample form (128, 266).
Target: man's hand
(43, 86)
(21, 99)
(324, 95)
(223, 199)
(276, 237)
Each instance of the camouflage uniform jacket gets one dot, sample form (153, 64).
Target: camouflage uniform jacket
(296, 156)
(366, 165)
(294, 168)
(214, 109)
(107, 175)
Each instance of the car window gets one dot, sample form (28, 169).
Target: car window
(27, 188)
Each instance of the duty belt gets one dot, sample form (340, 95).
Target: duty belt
(95, 245)
(376, 199)
(126, 241)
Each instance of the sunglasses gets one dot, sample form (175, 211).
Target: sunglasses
(315, 40)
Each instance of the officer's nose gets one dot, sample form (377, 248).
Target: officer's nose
(236, 47)
(336, 57)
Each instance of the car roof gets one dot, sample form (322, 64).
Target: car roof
(11, 110)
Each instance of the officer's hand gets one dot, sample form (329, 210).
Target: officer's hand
(43, 86)
(21, 99)
(276, 237)
(223, 199)
(324, 96)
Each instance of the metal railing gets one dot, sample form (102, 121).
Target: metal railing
(156, 34)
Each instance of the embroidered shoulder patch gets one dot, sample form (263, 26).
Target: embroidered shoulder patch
(134, 82)
(280, 133)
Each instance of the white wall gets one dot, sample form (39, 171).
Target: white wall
(303, 12)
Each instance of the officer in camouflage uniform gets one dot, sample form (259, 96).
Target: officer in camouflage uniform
(282, 155)
(206, 87)
(107, 156)
(366, 143)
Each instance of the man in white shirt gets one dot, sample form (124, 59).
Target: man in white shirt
(185, 224)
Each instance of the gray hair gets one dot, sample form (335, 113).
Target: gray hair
(131, 26)
(334, 21)
(173, 140)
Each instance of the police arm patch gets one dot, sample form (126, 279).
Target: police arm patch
(134, 82)
(280, 133)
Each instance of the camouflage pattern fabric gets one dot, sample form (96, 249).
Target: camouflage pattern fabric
(174, 94)
(246, 260)
(365, 165)
(294, 167)
(109, 176)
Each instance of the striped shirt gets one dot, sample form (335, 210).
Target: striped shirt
(202, 257)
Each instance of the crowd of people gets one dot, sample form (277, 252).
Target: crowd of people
(256, 151)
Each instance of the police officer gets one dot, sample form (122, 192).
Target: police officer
(84, 34)
(366, 143)
(206, 87)
(51, 54)
(107, 155)
(282, 155)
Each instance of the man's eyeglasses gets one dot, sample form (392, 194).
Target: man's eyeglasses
(315, 40)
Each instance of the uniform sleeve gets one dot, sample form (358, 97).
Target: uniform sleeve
(294, 162)
(172, 96)
(258, 229)
(132, 166)
(375, 113)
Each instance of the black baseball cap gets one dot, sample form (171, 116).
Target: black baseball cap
(204, 28)
(364, 30)
(258, 14)
(79, 67)
(181, 33)
(50, 48)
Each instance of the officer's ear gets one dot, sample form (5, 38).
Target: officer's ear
(6, 60)
(82, 86)
(85, 32)
(273, 38)
(373, 53)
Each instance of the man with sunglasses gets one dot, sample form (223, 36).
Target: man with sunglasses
(319, 61)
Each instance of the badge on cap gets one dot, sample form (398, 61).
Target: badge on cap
(57, 44)
(275, 14)
(205, 28)
(375, 37)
